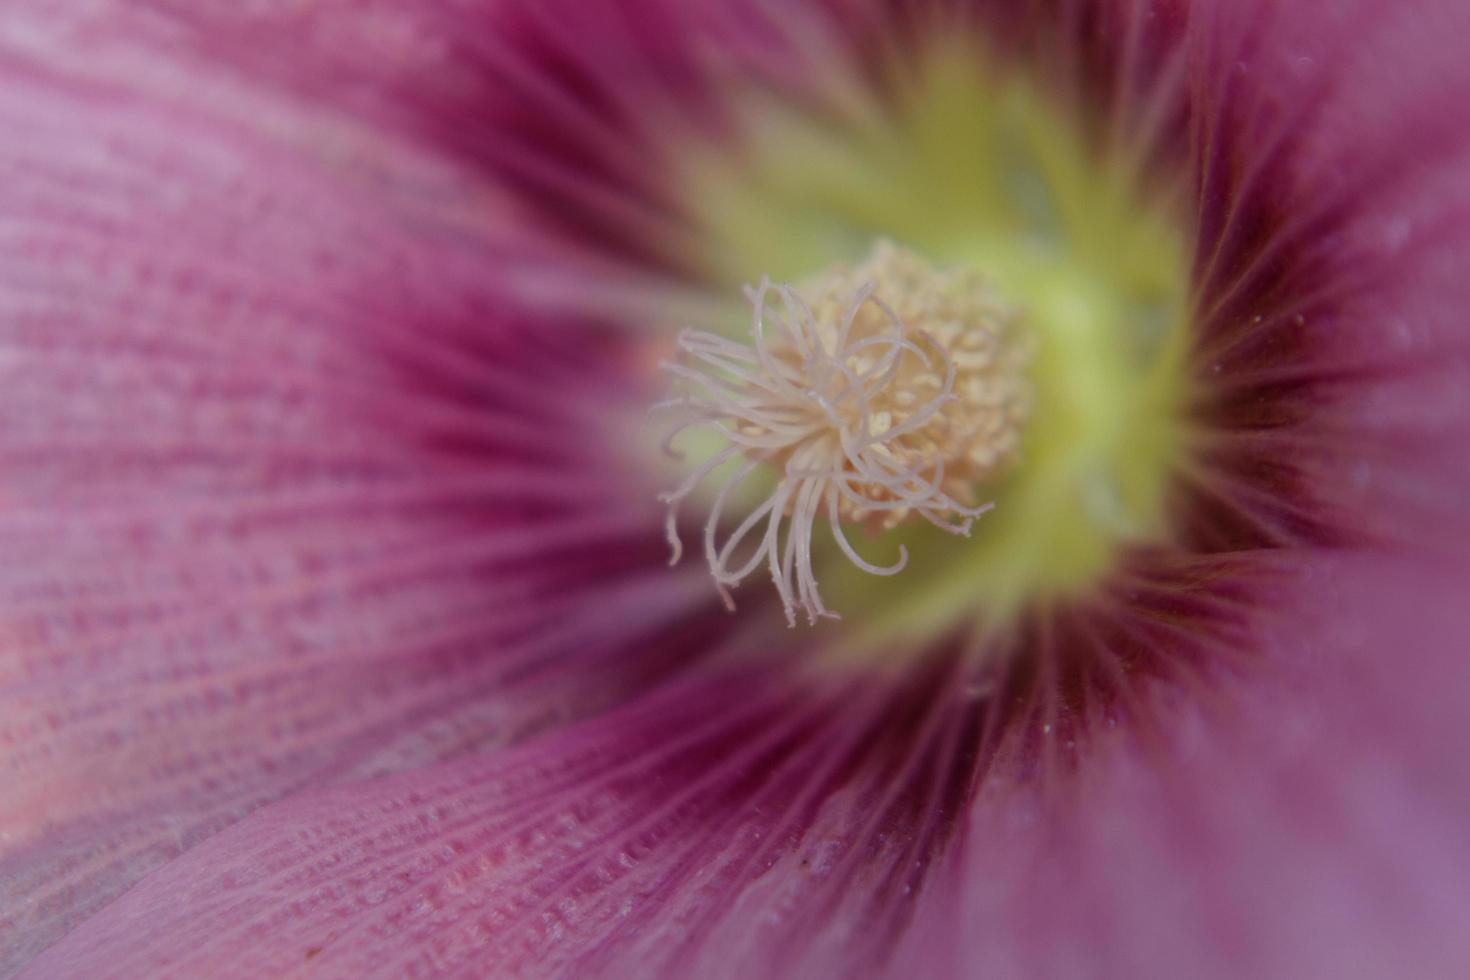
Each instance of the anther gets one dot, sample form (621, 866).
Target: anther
(880, 393)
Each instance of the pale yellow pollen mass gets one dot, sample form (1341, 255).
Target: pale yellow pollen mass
(880, 392)
(954, 316)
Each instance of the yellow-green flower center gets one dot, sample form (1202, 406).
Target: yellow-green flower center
(980, 169)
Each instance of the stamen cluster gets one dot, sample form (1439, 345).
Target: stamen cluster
(878, 393)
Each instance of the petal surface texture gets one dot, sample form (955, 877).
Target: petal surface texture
(289, 494)
(766, 838)
(336, 636)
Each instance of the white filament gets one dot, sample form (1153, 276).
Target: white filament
(858, 420)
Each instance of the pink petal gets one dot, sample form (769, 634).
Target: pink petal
(1309, 822)
(290, 493)
(1303, 816)
(1335, 348)
(394, 85)
(748, 824)
(752, 824)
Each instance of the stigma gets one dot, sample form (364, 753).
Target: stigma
(876, 394)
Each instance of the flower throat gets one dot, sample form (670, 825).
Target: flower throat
(975, 163)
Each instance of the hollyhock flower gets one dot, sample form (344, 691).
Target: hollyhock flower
(337, 634)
